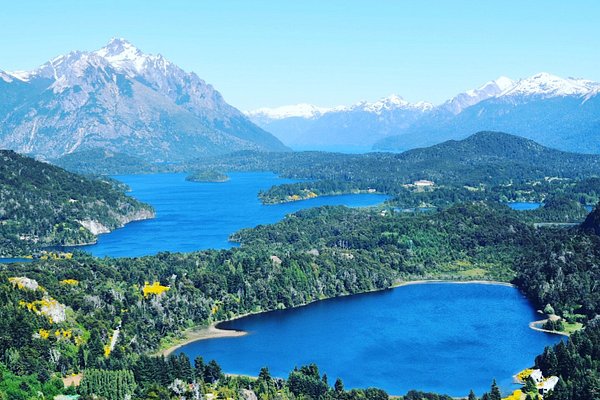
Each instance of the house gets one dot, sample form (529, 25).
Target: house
(537, 376)
(423, 183)
(548, 385)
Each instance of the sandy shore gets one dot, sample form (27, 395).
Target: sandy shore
(193, 335)
(535, 325)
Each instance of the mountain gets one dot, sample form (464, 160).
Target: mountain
(121, 99)
(43, 205)
(559, 112)
(471, 97)
(357, 126)
(556, 112)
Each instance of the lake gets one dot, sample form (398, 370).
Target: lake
(193, 216)
(440, 337)
(14, 260)
(523, 206)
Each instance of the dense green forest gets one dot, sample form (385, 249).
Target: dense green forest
(42, 205)
(496, 165)
(105, 317)
(359, 250)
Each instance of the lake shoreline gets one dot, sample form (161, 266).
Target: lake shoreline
(202, 333)
(214, 332)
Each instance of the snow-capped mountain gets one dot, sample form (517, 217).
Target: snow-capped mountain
(6, 77)
(121, 99)
(558, 112)
(471, 97)
(301, 110)
(545, 85)
(357, 126)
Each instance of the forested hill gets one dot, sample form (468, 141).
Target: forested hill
(508, 156)
(497, 146)
(485, 157)
(483, 162)
(45, 205)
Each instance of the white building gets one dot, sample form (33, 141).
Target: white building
(548, 385)
(537, 376)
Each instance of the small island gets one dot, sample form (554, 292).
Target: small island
(207, 176)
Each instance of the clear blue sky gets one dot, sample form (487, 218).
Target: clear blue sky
(326, 52)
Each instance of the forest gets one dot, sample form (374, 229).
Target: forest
(42, 205)
(492, 242)
(107, 318)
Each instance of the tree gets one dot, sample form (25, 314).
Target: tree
(530, 386)
(472, 395)
(495, 393)
(199, 368)
(338, 386)
(212, 372)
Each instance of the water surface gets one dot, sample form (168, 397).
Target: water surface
(523, 206)
(192, 216)
(14, 260)
(440, 337)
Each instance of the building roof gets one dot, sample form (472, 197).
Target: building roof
(549, 383)
(536, 375)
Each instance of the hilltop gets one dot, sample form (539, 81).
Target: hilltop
(43, 205)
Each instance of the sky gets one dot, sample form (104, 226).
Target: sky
(324, 52)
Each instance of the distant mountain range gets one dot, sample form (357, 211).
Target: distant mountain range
(120, 99)
(557, 112)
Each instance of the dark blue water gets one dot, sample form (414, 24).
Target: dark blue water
(441, 337)
(14, 260)
(520, 206)
(192, 216)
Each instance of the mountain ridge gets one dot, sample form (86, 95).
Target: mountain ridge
(528, 107)
(121, 99)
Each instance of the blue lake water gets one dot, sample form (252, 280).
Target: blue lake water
(521, 206)
(192, 216)
(13, 260)
(441, 337)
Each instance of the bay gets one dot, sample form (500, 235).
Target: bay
(440, 337)
(194, 216)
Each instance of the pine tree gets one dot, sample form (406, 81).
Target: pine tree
(199, 368)
(495, 393)
(339, 386)
(472, 395)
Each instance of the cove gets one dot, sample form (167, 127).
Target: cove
(440, 337)
(194, 216)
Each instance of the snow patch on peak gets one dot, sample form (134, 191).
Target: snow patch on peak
(124, 56)
(392, 102)
(310, 111)
(117, 46)
(302, 110)
(504, 83)
(474, 96)
(21, 75)
(6, 77)
(547, 85)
